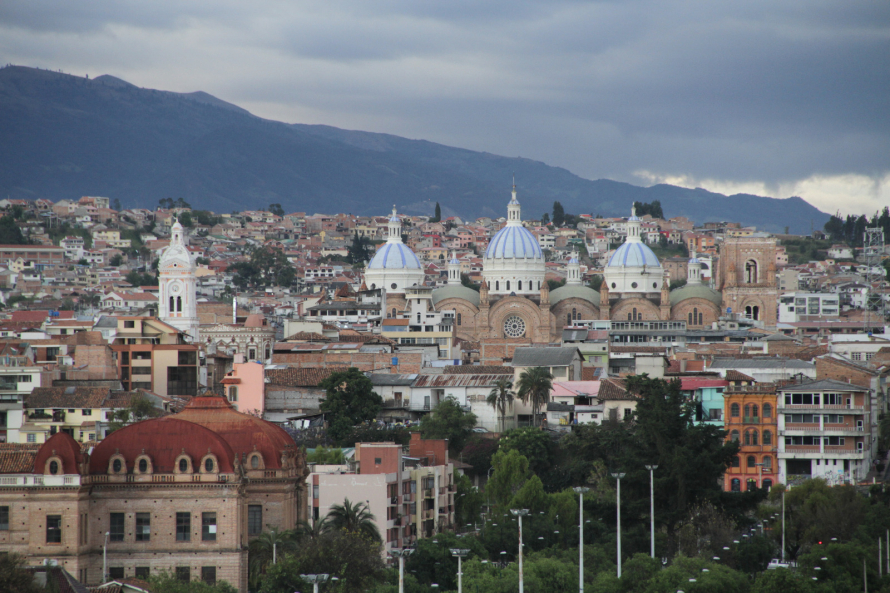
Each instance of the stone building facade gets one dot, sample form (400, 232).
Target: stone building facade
(184, 494)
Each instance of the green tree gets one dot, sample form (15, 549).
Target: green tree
(15, 577)
(325, 456)
(268, 266)
(678, 283)
(265, 548)
(509, 475)
(359, 251)
(559, 215)
(82, 262)
(68, 304)
(349, 400)
(448, 421)
(354, 518)
(437, 217)
(533, 443)
(535, 385)
(545, 219)
(139, 408)
(116, 260)
(653, 209)
(468, 501)
(782, 580)
(355, 560)
(10, 233)
(276, 209)
(596, 282)
(185, 219)
(169, 583)
(465, 280)
(500, 397)
(554, 284)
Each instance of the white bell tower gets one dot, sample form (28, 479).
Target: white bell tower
(177, 283)
(453, 270)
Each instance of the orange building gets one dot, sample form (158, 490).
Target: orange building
(750, 419)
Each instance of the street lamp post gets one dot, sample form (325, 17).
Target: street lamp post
(315, 579)
(460, 553)
(520, 513)
(783, 526)
(105, 559)
(401, 554)
(652, 469)
(618, 476)
(581, 490)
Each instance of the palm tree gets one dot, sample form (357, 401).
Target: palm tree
(501, 395)
(265, 547)
(311, 531)
(355, 518)
(535, 385)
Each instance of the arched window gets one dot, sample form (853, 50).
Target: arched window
(53, 467)
(497, 284)
(568, 319)
(699, 319)
(172, 309)
(179, 304)
(636, 317)
(694, 315)
(751, 461)
(751, 272)
(539, 285)
(767, 463)
(767, 483)
(736, 461)
(751, 437)
(767, 437)
(208, 465)
(755, 313)
(629, 318)
(520, 285)
(748, 312)
(735, 485)
(734, 436)
(734, 410)
(116, 466)
(574, 313)
(255, 462)
(751, 484)
(767, 411)
(747, 410)
(183, 465)
(459, 319)
(143, 466)
(393, 314)
(689, 319)
(754, 411)
(508, 285)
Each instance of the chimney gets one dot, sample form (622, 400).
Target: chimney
(683, 365)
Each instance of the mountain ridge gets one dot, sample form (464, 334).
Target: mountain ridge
(68, 136)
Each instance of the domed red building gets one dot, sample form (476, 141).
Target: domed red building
(183, 493)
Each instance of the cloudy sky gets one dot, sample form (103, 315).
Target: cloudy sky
(770, 97)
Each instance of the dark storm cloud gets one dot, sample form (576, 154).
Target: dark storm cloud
(780, 95)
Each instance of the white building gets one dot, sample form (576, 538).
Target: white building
(177, 285)
(804, 306)
(513, 261)
(394, 267)
(634, 267)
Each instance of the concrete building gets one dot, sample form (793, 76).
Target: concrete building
(750, 420)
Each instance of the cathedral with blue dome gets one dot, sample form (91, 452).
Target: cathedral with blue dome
(514, 300)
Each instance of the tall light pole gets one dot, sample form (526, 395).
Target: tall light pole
(520, 513)
(315, 579)
(618, 476)
(783, 526)
(652, 469)
(401, 554)
(581, 490)
(460, 553)
(105, 559)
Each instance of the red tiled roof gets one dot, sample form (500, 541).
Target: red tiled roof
(67, 397)
(734, 375)
(614, 389)
(65, 447)
(17, 458)
(242, 432)
(300, 377)
(693, 383)
(163, 440)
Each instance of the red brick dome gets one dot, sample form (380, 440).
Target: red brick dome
(163, 440)
(245, 433)
(62, 446)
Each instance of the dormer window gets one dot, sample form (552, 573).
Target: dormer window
(54, 467)
(183, 465)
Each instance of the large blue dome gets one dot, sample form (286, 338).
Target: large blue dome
(513, 241)
(635, 254)
(395, 256)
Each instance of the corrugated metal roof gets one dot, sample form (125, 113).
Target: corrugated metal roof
(823, 385)
(760, 363)
(544, 357)
(456, 380)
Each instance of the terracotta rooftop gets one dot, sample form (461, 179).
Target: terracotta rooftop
(734, 375)
(300, 377)
(17, 458)
(67, 397)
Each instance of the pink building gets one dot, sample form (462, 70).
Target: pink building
(245, 386)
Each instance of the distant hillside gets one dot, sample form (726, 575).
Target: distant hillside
(65, 136)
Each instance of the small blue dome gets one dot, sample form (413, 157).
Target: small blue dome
(395, 256)
(513, 241)
(633, 253)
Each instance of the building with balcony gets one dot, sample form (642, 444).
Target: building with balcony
(825, 431)
(409, 495)
(749, 410)
(18, 377)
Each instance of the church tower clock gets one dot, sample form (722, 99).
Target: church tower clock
(176, 278)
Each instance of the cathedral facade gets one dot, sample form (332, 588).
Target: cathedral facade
(514, 300)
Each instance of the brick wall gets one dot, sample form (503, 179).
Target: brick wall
(828, 368)
(409, 362)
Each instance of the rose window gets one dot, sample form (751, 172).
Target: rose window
(514, 327)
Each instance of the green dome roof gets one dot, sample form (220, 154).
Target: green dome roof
(696, 291)
(574, 291)
(454, 291)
